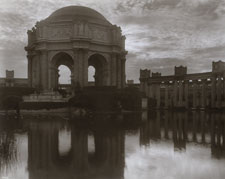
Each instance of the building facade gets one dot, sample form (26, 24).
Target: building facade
(199, 90)
(11, 81)
(77, 37)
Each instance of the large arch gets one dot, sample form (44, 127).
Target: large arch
(100, 64)
(61, 58)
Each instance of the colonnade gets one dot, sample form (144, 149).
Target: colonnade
(197, 92)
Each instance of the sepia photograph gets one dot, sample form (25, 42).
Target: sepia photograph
(122, 89)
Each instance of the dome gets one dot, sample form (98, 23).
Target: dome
(71, 12)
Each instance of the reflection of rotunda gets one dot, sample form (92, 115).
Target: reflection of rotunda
(77, 37)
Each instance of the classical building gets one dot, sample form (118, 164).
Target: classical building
(11, 81)
(199, 90)
(77, 37)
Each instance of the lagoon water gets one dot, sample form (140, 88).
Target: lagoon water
(147, 145)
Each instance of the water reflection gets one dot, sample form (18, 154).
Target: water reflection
(100, 147)
(45, 160)
(8, 152)
(184, 127)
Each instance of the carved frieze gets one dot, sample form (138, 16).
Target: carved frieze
(81, 28)
(57, 33)
(99, 34)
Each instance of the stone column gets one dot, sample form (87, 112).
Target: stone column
(175, 94)
(118, 72)
(186, 93)
(33, 71)
(108, 71)
(44, 70)
(38, 68)
(194, 93)
(223, 103)
(85, 67)
(166, 94)
(158, 95)
(146, 89)
(113, 69)
(29, 58)
(150, 92)
(53, 77)
(180, 93)
(80, 67)
(219, 91)
(49, 75)
(76, 66)
(203, 93)
(222, 90)
(123, 73)
(57, 78)
(142, 86)
(213, 91)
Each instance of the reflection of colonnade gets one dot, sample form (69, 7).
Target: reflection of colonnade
(200, 90)
(45, 160)
(184, 127)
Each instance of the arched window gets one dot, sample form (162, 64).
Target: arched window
(99, 63)
(64, 75)
(91, 76)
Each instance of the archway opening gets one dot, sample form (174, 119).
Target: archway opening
(64, 75)
(91, 76)
(62, 72)
(97, 70)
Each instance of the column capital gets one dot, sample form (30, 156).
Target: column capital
(123, 55)
(30, 56)
(175, 81)
(124, 52)
(194, 81)
(75, 49)
(166, 82)
(41, 51)
(181, 81)
(114, 53)
(79, 48)
(156, 82)
(203, 80)
(223, 74)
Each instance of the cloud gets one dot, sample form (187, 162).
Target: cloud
(160, 161)
(159, 33)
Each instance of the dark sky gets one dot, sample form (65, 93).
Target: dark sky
(159, 33)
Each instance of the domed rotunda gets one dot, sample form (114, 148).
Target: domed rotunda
(77, 37)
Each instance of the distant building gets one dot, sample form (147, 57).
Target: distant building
(10, 81)
(130, 83)
(198, 90)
